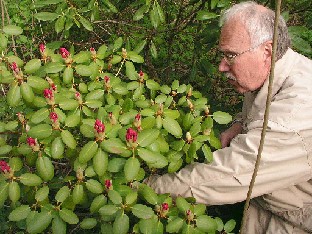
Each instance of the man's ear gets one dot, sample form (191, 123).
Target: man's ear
(268, 48)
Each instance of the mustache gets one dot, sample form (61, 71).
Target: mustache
(230, 76)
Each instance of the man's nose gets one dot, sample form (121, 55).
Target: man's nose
(224, 66)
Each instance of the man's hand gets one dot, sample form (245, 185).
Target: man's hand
(230, 133)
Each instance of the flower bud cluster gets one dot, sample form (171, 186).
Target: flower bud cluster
(49, 96)
(137, 121)
(4, 166)
(131, 137)
(66, 56)
(33, 143)
(18, 74)
(108, 184)
(99, 130)
(55, 120)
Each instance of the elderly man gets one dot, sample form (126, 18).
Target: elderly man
(282, 195)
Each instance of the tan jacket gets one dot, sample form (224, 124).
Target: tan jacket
(283, 183)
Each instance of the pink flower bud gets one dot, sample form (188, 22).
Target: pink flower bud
(53, 117)
(64, 53)
(92, 49)
(31, 141)
(42, 48)
(138, 117)
(108, 184)
(131, 135)
(14, 67)
(165, 206)
(99, 126)
(47, 93)
(106, 79)
(4, 166)
(53, 87)
(77, 95)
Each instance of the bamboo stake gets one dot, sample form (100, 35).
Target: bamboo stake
(266, 115)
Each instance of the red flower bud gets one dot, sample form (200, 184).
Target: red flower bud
(77, 95)
(141, 73)
(42, 48)
(108, 184)
(64, 53)
(31, 141)
(165, 206)
(53, 117)
(4, 166)
(99, 126)
(14, 67)
(92, 49)
(106, 79)
(138, 117)
(131, 135)
(48, 93)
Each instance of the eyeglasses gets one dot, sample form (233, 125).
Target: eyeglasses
(229, 57)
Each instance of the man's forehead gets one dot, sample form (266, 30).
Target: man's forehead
(234, 35)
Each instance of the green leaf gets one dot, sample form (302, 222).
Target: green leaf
(131, 198)
(59, 24)
(88, 151)
(12, 30)
(42, 193)
(68, 139)
(131, 168)
(54, 67)
(45, 168)
(78, 193)
(160, 13)
(147, 137)
(130, 71)
(88, 223)
(19, 213)
(121, 224)
(46, 16)
(72, 120)
(37, 83)
(115, 197)
(154, 159)
(27, 92)
(97, 203)
(152, 85)
(117, 43)
(82, 57)
(4, 192)
(154, 17)
(111, 7)
(116, 164)
(175, 165)
(14, 95)
(40, 131)
(142, 211)
(229, 226)
(134, 57)
(172, 126)
(40, 222)
(11, 125)
(140, 46)
(207, 153)
(32, 66)
(58, 225)
(175, 225)
(215, 142)
(62, 194)
(182, 204)
(68, 104)
(139, 14)
(206, 224)
(108, 210)
(153, 50)
(85, 23)
(222, 117)
(40, 115)
(83, 70)
(116, 146)
(149, 194)
(29, 179)
(205, 15)
(94, 186)
(5, 149)
(68, 216)
(14, 191)
(100, 162)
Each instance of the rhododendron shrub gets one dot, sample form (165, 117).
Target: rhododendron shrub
(86, 129)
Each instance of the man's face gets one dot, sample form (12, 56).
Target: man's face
(250, 66)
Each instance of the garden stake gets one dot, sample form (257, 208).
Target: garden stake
(266, 114)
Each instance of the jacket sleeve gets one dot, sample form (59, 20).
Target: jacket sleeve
(284, 162)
